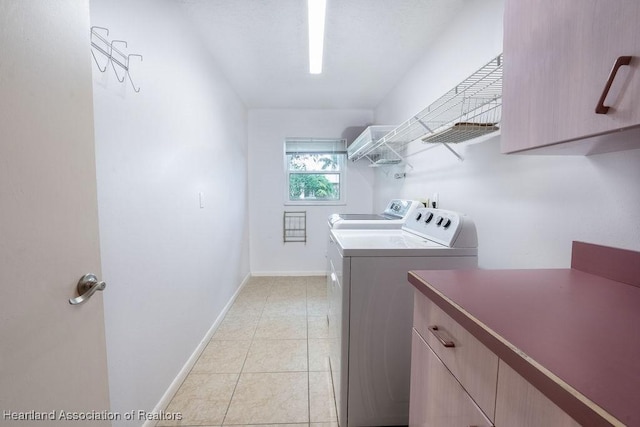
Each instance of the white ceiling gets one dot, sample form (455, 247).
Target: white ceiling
(261, 47)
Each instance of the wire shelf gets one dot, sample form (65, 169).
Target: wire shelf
(473, 108)
(369, 136)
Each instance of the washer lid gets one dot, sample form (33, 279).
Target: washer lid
(392, 243)
(365, 217)
(379, 221)
(394, 216)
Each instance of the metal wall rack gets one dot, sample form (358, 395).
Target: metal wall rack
(114, 56)
(294, 227)
(471, 109)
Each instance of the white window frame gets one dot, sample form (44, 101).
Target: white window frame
(316, 146)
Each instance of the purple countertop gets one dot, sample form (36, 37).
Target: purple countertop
(553, 326)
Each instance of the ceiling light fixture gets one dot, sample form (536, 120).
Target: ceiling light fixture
(317, 9)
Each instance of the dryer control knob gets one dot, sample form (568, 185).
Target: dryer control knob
(446, 223)
(439, 221)
(428, 217)
(418, 216)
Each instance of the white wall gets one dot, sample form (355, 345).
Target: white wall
(267, 132)
(170, 266)
(528, 209)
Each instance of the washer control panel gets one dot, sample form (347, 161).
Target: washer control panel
(442, 226)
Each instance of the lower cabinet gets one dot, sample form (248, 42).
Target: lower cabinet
(456, 381)
(437, 398)
(473, 365)
(518, 403)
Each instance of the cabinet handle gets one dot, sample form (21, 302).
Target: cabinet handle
(623, 60)
(436, 333)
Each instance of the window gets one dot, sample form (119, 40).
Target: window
(315, 171)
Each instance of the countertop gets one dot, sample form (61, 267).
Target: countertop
(572, 334)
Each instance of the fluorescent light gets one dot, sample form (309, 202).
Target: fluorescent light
(317, 9)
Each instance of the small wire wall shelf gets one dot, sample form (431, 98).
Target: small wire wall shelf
(294, 227)
(471, 109)
(112, 55)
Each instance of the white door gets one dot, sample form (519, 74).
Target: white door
(52, 354)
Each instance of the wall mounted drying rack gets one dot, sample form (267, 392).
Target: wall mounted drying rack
(115, 57)
(471, 109)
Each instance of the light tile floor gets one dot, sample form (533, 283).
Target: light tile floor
(267, 364)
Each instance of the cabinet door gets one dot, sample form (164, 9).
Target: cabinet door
(437, 399)
(558, 55)
(521, 404)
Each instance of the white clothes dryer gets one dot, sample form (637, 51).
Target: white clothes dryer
(394, 216)
(371, 306)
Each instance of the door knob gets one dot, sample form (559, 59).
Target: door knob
(87, 286)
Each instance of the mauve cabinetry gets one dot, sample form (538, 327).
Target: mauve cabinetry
(558, 58)
(518, 403)
(450, 386)
(457, 381)
(437, 398)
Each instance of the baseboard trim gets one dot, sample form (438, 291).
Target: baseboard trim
(178, 380)
(287, 273)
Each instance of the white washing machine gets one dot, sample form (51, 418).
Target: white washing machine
(394, 216)
(371, 308)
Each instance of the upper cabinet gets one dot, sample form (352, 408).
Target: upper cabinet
(559, 63)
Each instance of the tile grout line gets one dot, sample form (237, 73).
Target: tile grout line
(306, 300)
(226, 412)
(253, 339)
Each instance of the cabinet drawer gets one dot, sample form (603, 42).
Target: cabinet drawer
(437, 399)
(473, 364)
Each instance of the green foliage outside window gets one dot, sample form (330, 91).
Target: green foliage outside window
(308, 185)
(312, 186)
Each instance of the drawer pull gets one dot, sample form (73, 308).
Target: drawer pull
(436, 333)
(623, 60)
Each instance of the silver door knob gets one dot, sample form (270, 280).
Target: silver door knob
(87, 286)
